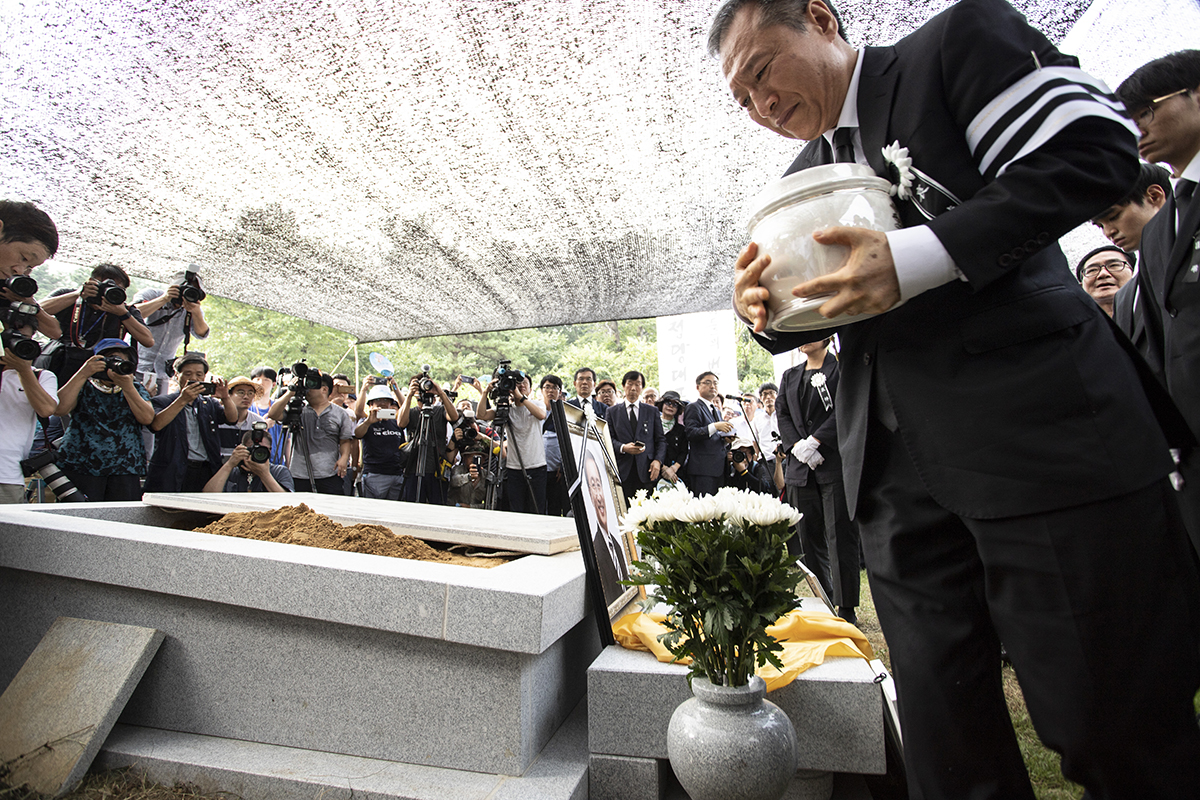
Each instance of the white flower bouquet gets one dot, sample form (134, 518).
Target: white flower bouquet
(721, 563)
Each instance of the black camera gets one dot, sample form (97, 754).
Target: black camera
(740, 457)
(16, 316)
(116, 365)
(108, 290)
(190, 289)
(305, 377)
(21, 285)
(259, 452)
(425, 386)
(426, 382)
(505, 379)
(207, 388)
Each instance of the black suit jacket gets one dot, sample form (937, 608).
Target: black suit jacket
(706, 454)
(1012, 392)
(801, 414)
(1171, 288)
(649, 432)
(610, 572)
(1130, 316)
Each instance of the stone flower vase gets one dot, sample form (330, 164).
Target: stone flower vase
(728, 743)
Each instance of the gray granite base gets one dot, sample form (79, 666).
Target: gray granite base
(428, 664)
(269, 772)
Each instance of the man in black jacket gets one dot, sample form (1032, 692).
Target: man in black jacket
(1002, 446)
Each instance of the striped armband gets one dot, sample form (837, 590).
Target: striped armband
(1033, 110)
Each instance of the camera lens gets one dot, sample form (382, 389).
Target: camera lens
(22, 285)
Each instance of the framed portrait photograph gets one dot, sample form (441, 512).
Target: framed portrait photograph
(590, 468)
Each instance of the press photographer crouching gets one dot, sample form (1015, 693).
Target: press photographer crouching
(175, 317)
(383, 453)
(25, 394)
(470, 478)
(518, 418)
(96, 311)
(249, 467)
(426, 430)
(102, 450)
(747, 473)
(322, 433)
(187, 449)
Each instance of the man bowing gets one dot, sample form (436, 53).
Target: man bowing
(1004, 465)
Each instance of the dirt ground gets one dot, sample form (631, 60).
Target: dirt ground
(301, 525)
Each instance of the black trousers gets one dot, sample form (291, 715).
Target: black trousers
(828, 539)
(331, 485)
(1108, 669)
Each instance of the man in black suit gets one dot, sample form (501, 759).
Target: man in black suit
(585, 384)
(707, 432)
(1123, 224)
(1000, 448)
(637, 434)
(1163, 97)
(610, 556)
(812, 475)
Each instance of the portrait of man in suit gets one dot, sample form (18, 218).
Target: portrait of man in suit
(1004, 451)
(611, 559)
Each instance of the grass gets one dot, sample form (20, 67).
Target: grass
(120, 784)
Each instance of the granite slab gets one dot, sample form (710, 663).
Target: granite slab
(501, 530)
(63, 702)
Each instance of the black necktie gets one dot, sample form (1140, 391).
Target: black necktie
(633, 418)
(716, 414)
(843, 145)
(1185, 191)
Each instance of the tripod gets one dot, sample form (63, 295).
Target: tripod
(424, 435)
(500, 461)
(295, 428)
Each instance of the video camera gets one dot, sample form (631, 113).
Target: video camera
(304, 377)
(425, 386)
(504, 380)
(190, 289)
(21, 285)
(18, 315)
(109, 290)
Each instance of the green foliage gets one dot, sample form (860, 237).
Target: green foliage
(726, 583)
(754, 364)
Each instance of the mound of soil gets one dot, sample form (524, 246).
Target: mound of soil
(301, 525)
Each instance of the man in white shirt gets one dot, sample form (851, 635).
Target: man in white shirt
(25, 394)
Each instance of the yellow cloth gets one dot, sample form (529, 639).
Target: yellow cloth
(808, 637)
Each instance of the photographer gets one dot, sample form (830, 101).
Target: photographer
(27, 238)
(422, 483)
(187, 450)
(525, 479)
(558, 502)
(234, 474)
(169, 316)
(243, 392)
(25, 394)
(470, 477)
(325, 429)
(745, 472)
(382, 441)
(87, 315)
(102, 450)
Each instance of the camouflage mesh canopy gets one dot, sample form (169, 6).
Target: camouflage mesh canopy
(399, 169)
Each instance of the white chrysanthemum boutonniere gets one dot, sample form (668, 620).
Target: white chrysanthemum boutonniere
(817, 380)
(901, 164)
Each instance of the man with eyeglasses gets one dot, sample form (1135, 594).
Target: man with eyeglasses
(1163, 98)
(707, 432)
(1103, 272)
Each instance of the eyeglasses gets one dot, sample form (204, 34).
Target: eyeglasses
(710, 383)
(1146, 115)
(1113, 267)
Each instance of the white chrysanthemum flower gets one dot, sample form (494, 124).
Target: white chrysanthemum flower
(898, 157)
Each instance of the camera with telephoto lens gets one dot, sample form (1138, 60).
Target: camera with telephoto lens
(43, 464)
(21, 285)
(190, 289)
(16, 316)
(116, 365)
(109, 290)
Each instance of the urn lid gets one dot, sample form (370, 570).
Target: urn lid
(809, 183)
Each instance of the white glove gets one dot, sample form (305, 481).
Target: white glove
(805, 449)
(815, 460)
